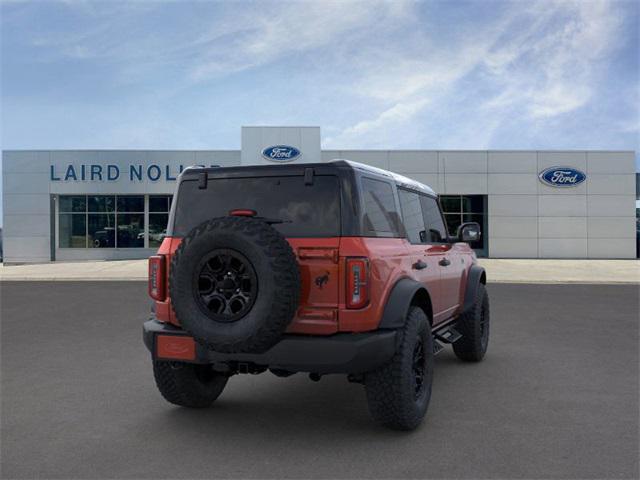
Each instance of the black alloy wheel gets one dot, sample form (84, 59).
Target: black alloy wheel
(225, 285)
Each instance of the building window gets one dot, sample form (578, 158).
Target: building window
(101, 221)
(109, 221)
(459, 209)
(159, 206)
(130, 221)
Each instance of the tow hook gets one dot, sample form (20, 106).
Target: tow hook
(315, 377)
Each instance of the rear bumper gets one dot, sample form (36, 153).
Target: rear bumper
(339, 353)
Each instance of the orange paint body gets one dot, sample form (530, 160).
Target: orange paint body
(322, 261)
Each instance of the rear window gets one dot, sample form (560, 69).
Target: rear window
(380, 214)
(306, 210)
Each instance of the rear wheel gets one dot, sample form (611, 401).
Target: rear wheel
(188, 385)
(474, 327)
(398, 394)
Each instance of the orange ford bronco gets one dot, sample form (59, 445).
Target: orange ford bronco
(322, 268)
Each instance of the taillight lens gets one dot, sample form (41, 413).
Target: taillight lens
(157, 277)
(357, 282)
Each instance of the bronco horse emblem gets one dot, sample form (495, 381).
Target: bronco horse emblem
(322, 280)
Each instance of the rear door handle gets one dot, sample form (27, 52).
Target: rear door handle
(419, 265)
(444, 262)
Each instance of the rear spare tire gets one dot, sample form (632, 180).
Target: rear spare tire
(235, 284)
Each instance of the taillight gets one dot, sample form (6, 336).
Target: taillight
(242, 212)
(357, 282)
(157, 277)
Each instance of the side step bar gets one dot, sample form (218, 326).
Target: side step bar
(446, 335)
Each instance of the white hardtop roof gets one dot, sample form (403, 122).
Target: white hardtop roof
(399, 179)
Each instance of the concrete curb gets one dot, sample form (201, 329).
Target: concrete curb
(522, 271)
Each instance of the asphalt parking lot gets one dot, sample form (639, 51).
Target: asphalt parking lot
(556, 397)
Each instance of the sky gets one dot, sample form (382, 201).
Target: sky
(372, 74)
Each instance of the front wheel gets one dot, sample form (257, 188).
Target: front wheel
(187, 384)
(398, 394)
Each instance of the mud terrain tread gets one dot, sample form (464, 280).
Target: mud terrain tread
(181, 386)
(282, 261)
(469, 347)
(390, 402)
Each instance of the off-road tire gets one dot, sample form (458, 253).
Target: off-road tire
(188, 385)
(474, 328)
(276, 272)
(391, 390)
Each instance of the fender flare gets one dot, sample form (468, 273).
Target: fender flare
(476, 276)
(399, 301)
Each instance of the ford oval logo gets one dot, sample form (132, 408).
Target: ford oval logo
(562, 177)
(281, 153)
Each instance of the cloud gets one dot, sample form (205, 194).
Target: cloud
(373, 74)
(537, 60)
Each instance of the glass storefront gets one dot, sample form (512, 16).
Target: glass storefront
(459, 209)
(112, 221)
(159, 206)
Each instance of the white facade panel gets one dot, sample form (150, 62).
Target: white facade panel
(611, 162)
(26, 162)
(513, 205)
(562, 247)
(17, 183)
(612, 227)
(224, 158)
(25, 249)
(462, 162)
(513, 248)
(611, 248)
(413, 161)
(26, 225)
(512, 183)
(562, 205)
(465, 183)
(601, 184)
(562, 227)
(576, 160)
(18, 204)
(513, 227)
(611, 205)
(512, 162)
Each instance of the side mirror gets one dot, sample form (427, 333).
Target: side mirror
(469, 232)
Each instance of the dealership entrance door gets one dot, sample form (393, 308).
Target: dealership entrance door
(458, 209)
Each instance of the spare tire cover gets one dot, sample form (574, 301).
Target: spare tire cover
(234, 284)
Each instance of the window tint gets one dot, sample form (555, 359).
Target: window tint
(72, 230)
(102, 203)
(379, 206)
(436, 231)
(73, 203)
(159, 203)
(412, 215)
(305, 210)
(101, 230)
(131, 203)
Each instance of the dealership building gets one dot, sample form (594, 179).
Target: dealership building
(69, 205)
